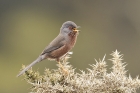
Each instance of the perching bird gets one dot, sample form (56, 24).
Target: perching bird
(60, 46)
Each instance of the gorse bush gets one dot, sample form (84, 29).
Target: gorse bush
(94, 80)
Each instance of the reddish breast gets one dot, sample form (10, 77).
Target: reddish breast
(65, 48)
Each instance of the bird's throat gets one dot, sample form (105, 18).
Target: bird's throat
(73, 38)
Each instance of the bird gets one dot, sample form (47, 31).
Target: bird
(59, 47)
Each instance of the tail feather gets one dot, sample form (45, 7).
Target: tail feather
(29, 66)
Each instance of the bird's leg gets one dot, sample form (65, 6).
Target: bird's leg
(64, 70)
(60, 64)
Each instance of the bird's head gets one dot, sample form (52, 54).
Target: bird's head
(68, 27)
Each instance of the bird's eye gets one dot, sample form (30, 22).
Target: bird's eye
(70, 28)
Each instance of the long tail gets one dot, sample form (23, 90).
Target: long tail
(29, 66)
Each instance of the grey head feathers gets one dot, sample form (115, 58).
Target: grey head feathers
(65, 27)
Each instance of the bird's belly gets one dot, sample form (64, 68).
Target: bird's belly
(58, 53)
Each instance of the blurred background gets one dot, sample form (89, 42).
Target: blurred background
(27, 26)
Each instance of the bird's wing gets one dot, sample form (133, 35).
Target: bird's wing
(55, 44)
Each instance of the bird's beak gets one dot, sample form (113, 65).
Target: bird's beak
(76, 30)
